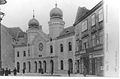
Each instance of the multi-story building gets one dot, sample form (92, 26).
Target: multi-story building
(8, 36)
(52, 53)
(89, 30)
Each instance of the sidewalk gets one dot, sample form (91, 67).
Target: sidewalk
(57, 75)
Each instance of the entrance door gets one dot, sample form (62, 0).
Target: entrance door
(35, 67)
(93, 66)
(70, 65)
(52, 66)
(44, 63)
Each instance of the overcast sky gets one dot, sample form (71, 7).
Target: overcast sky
(19, 12)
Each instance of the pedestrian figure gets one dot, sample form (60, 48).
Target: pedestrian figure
(51, 72)
(41, 71)
(9, 71)
(15, 72)
(69, 73)
(85, 72)
(6, 72)
(23, 71)
(2, 72)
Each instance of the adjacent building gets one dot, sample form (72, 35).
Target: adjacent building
(89, 32)
(8, 36)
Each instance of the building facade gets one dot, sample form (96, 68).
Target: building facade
(53, 53)
(8, 36)
(89, 28)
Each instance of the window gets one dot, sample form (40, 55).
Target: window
(93, 40)
(101, 37)
(84, 26)
(24, 53)
(18, 54)
(51, 49)
(93, 19)
(61, 64)
(70, 46)
(61, 47)
(28, 52)
(100, 15)
(85, 43)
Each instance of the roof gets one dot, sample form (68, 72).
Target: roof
(81, 12)
(69, 31)
(89, 13)
(22, 34)
(14, 31)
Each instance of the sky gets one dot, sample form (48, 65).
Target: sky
(19, 12)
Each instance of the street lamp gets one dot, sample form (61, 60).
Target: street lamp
(1, 17)
(2, 2)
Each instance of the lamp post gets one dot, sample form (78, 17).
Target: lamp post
(1, 17)
(2, 2)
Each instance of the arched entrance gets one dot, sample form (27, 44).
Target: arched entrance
(18, 66)
(51, 66)
(40, 64)
(40, 67)
(44, 65)
(70, 65)
(35, 67)
(29, 66)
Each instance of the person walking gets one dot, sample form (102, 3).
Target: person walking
(9, 71)
(6, 72)
(15, 72)
(85, 72)
(69, 73)
(23, 71)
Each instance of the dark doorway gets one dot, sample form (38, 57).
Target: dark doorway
(35, 67)
(70, 65)
(44, 63)
(18, 66)
(93, 66)
(29, 64)
(52, 66)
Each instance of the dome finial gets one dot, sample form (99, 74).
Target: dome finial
(56, 4)
(33, 14)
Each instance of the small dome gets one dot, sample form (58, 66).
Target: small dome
(33, 22)
(56, 12)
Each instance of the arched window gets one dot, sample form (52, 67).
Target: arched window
(18, 54)
(61, 47)
(18, 66)
(62, 65)
(70, 46)
(24, 53)
(51, 49)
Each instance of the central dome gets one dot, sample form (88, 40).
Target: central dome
(33, 23)
(56, 13)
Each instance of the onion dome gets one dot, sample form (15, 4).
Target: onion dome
(56, 12)
(33, 23)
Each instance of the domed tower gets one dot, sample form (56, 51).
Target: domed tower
(33, 29)
(34, 24)
(56, 23)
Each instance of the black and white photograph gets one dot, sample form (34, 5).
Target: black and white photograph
(59, 38)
